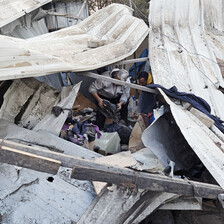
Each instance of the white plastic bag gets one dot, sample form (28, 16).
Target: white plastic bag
(132, 109)
(109, 142)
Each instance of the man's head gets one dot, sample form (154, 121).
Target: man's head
(120, 74)
(143, 77)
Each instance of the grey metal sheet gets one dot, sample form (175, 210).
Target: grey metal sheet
(28, 197)
(27, 101)
(69, 9)
(208, 147)
(52, 124)
(121, 205)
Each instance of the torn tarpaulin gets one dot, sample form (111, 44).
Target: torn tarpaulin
(195, 101)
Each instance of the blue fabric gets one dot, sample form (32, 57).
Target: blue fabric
(151, 119)
(112, 127)
(146, 102)
(195, 101)
(138, 64)
(79, 128)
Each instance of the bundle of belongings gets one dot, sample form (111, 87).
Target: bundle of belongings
(109, 110)
(80, 129)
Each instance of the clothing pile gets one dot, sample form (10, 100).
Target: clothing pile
(80, 129)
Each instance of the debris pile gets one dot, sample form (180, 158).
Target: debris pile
(163, 164)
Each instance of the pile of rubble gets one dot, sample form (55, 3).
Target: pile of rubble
(56, 166)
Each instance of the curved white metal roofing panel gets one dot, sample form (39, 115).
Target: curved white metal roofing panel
(116, 33)
(207, 146)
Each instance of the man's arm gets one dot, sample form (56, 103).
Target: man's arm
(98, 99)
(125, 95)
(94, 87)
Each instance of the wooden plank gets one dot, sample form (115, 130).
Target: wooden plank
(28, 160)
(90, 170)
(139, 180)
(131, 85)
(202, 117)
(65, 160)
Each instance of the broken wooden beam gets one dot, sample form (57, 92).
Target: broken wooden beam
(140, 180)
(65, 160)
(89, 170)
(28, 160)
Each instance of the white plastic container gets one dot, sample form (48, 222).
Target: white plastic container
(109, 142)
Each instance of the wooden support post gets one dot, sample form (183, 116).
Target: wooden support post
(127, 177)
(79, 13)
(28, 160)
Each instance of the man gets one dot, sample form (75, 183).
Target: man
(114, 93)
(146, 101)
(145, 78)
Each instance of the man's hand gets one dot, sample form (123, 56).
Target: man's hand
(119, 106)
(100, 102)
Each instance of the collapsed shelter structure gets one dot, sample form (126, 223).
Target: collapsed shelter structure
(172, 168)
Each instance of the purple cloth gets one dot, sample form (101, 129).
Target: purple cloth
(65, 127)
(96, 128)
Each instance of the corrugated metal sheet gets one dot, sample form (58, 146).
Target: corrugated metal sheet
(119, 205)
(26, 27)
(207, 146)
(70, 9)
(113, 27)
(183, 51)
(185, 40)
(37, 28)
(11, 10)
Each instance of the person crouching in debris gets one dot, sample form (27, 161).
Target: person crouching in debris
(114, 93)
(146, 101)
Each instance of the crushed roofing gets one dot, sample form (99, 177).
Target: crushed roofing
(106, 37)
(185, 41)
